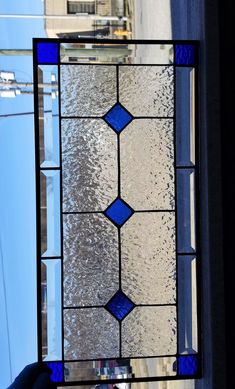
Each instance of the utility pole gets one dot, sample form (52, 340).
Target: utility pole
(10, 87)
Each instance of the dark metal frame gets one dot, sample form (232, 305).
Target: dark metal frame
(195, 168)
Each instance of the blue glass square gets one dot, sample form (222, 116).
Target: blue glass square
(187, 365)
(185, 54)
(47, 52)
(118, 118)
(118, 212)
(57, 371)
(120, 305)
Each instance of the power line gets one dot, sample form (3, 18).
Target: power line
(20, 114)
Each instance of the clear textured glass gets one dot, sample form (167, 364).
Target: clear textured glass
(90, 333)
(148, 258)
(117, 54)
(87, 90)
(149, 331)
(186, 230)
(147, 164)
(48, 115)
(185, 116)
(118, 369)
(51, 309)
(89, 162)
(50, 213)
(159, 81)
(91, 260)
(187, 305)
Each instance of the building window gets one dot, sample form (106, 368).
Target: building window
(75, 7)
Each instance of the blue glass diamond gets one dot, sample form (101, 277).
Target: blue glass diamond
(120, 305)
(187, 365)
(118, 118)
(185, 54)
(47, 52)
(119, 212)
(57, 371)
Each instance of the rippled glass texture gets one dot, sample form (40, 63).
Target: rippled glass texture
(185, 116)
(187, 309)
(148, 258)
(90, 334)
(50, 213)
(51, 309)
(125, 368)
(186, 231)
(91, 260)
(87, 90)
(48, 115)
(147, 164)
(149, 331)
(89, 162)
(157, 100)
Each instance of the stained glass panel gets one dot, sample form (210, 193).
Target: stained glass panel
(117, 172)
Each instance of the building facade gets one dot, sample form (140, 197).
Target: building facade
(83, 26)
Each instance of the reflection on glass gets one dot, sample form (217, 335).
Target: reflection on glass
(185, 116)
(187, 307)
(48, 115)
(119, 369)
(186, 233)
(50, 213)
(51, 309)
(116, 53)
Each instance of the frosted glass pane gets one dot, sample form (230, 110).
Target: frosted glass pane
(185, 116)
(147, 164)
(51, 309)
(48, 115)
(148, 258)
(90, 333)
(117, 369)
(89, 162)
(187, 311)
(87, 90)
(147, 90)
(91, 264)
(186, 231)
(149, 331)
(50, 212)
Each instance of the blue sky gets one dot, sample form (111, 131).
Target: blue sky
(17, 200)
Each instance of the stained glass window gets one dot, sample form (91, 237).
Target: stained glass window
(117, 230)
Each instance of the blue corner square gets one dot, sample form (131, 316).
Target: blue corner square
(185, 54)
(118, 212)
(118, 118)
(187, 365)
(47, 52)
(120, 305)
(57, 371)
